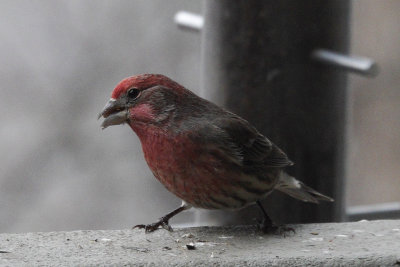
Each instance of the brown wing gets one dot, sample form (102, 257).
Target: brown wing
(233, 136)
(256, 150)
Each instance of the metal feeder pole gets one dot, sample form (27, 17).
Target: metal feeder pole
(259, 61)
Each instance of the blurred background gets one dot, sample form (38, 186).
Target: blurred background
(61, 60)
(374, 126)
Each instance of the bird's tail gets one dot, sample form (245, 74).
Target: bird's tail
(294, 188)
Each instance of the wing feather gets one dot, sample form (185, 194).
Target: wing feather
(256, 150)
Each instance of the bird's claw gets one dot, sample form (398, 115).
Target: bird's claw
(268, 228)
(285, 230)
(148, 228)
(277, 229)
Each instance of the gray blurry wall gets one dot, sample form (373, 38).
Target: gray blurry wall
(60, 61)
(374, 132)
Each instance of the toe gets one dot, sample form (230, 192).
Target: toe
(140, 226)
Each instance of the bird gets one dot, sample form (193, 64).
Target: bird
(207, 156)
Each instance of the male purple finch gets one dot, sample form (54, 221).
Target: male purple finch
(207, 156)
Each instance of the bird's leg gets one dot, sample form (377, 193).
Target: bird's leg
(163, 221)
(266, 222)
(267, 225)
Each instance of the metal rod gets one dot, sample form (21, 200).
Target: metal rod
(361, 65)
(388, 210)
(189, 20)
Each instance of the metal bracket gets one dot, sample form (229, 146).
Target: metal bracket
(188, 20)
(361, 65)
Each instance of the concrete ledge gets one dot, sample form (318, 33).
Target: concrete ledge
(373, 243)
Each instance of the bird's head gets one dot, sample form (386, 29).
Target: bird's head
(144, 98)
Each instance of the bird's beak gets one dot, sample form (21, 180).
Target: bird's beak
(114, 113)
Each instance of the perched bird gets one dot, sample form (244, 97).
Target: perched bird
(207, 156)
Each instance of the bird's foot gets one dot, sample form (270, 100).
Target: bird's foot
(282, 230)
(163, 222)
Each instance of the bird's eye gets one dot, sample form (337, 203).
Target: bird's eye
(133, 93)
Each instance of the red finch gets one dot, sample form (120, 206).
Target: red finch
(207, 156)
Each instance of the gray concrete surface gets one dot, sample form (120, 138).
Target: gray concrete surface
(374, 243)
